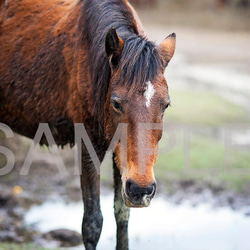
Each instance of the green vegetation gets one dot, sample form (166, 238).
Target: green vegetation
(205, 158)
(13, 246)
(203, 109)
(198, 150)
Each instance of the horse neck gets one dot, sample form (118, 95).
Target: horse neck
(94, 71)
(89, 83)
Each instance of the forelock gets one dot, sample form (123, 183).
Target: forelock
(140, 62)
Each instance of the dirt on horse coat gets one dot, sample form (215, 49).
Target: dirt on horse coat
(90, 62)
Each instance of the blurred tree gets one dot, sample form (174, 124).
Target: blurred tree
(221, 4)
(144, 2)
(243, 4)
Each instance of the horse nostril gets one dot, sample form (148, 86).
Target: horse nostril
(151, 189)
(129, 187)
(135, 191)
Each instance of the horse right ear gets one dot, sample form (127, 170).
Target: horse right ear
(167, 48)
(113, 46)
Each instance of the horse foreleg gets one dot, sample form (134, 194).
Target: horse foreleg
(121, 212)
(92, 219)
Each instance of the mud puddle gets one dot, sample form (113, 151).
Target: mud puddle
(163, 225)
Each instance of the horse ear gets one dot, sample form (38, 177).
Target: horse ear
(167, 48)
(113, 46)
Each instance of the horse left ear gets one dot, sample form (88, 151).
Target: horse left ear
(167, 48)
(113, 46)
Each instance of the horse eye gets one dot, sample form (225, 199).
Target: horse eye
(117, 106)
(165, 107)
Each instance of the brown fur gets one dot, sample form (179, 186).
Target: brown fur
(36, 62)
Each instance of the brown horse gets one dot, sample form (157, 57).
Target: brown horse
(64, 62)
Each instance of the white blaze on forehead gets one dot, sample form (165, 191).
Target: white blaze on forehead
(149, 93)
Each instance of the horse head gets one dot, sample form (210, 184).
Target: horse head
(138, 97)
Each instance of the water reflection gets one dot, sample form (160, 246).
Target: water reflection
(161, 226)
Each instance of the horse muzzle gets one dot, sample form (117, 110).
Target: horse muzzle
(138, 196)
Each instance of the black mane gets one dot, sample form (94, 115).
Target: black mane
(140, 60)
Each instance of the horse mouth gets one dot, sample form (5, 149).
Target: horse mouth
(136, 203)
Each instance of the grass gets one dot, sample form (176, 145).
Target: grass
(13, 246)
(203, 109)
(203, 157)
(198, 148)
